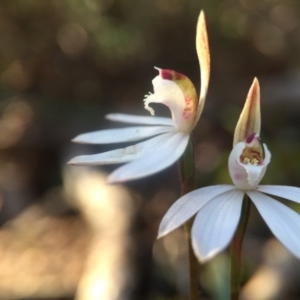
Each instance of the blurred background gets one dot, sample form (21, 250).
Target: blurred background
(64, 233)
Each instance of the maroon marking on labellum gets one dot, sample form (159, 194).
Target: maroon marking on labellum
(238, 176)
(166, 74)
(187, 99)
(187, 112)
(186, 116)
(250, 138)
(171, 75)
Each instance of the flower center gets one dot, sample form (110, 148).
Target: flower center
(253, 152)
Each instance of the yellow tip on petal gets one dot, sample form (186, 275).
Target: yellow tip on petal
(204, 59)
(250, 120)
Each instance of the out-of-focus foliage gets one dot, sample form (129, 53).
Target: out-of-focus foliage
(63, 66)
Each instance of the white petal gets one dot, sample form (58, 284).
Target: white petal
(246, 176)
(187, 206)
(287, 192)
(160, 157)
(121, 155)
(120, 135)
(215, 224)
(283, 222)
(133, 119)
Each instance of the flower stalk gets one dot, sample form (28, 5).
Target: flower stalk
(194, 267)
(188, 184)
(236, 251)
(187, 170)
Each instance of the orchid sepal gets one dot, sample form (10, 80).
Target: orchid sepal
(202, 47)
(250, 118)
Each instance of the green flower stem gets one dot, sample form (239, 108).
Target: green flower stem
(188, 185)
(194, 267)
(236, 250)
(187, 170)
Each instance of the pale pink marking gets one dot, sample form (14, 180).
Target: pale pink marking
(238, 176)
(187, 112)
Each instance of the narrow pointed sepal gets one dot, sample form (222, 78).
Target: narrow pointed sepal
(250, 119)
(291, 193)
(133, 119)
(187, 206)
(283, 221)
(160, 157)
(122, 155)
(120, 135)
(202, 48)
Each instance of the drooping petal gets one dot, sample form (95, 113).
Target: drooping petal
(121, 155)
(145, 120)
(249, 121)
(177, 92)
(202, 47)
(246, 176)
(160, 157)
(215, 224)
(120, 135)
(287, 192)
(188, 205)
(283, 221)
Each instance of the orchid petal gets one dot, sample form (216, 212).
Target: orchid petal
(187, 206)
(287, 192)
(283, 222)
(145, 120)
(215, 224)
(120, 135)
(246, 176)
(202, 47)
(121, 155)
(249, 121)
(160, 157)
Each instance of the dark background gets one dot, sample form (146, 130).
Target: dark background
(63, 66)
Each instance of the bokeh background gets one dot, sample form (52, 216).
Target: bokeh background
(64, 233)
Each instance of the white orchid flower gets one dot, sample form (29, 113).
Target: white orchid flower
(169, 136)
(218, 208)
